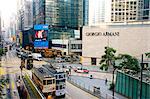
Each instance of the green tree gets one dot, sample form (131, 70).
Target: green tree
(128, 62)
(1, 51)
(147, 55)
(108, 59)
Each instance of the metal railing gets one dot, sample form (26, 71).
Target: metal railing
(96, 91)
(33, 87)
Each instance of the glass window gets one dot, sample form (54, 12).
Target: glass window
(44, 82)
(60, 76)
(61, 87)
(49, 82)
(56, 87)
(93, 61)
(53, 80)
(56, 76)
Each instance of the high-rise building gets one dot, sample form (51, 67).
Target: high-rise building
(60, 15)
(130, 10)
(25, 14)
(85, 12)
(99, 11)
(144, 10)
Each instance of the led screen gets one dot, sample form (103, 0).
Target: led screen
(40, 44)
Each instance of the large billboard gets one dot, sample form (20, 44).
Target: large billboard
(41, 32)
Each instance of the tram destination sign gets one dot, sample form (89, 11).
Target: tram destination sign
(102, 33)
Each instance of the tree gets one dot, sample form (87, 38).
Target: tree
(147, 55)
(1, 51)
(129, 62)
(108, 59)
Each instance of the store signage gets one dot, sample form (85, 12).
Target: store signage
(41, 27)
(40, 44)
(102, 34)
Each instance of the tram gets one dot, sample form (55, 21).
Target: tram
(44, 80)
(60, 77)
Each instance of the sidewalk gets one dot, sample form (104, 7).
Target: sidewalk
(88, 84)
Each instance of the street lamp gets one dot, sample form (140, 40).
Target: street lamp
(143, 66)
(113, 85)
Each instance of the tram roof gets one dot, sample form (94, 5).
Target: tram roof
(52, 69)
(42, 72)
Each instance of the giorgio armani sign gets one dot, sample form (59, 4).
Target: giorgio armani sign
(102, 33)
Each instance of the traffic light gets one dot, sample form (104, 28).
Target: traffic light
(6, 50)
(29, 64)
(144, 66)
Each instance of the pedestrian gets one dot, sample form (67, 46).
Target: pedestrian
(106, 81)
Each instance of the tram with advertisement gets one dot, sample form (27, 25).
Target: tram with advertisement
(44, 80)
(60, 77)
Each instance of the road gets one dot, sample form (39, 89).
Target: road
(94, 71)
(12, 62)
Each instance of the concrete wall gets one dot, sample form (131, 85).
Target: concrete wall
(130, 39)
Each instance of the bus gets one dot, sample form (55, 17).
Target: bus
(60, 77)
(44, 80)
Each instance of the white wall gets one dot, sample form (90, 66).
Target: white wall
(133, 40)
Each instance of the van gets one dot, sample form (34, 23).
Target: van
(37, 56)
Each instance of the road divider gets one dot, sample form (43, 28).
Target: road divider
(32, 89)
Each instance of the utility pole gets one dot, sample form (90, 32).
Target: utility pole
(142, 65)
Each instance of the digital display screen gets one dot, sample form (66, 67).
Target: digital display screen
(41, 34)
(40, 44)
(41, 31)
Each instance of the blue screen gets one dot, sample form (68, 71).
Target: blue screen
(40, 44)
(41, 27)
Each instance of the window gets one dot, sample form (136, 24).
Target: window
(61, 76)
(56, 76)
(53, 80)
(49, 82)
(93, 61)
(44, 82)
(56, 87)
(61, 87)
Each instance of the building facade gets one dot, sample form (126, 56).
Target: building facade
(85, 12)
(130, 39)
(97, 11)
(61, 15)
(130, 10)
(25, 14)
(68, 46)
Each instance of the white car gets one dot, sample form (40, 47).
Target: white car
(37, 56)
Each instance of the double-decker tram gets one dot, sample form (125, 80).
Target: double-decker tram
(60, 76)
(44, 80)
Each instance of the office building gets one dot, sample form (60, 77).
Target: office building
(61, 15)
(130, 10)
(25, 14)
(85, 12)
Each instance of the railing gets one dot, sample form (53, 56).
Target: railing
(33, 90)
(96, 91)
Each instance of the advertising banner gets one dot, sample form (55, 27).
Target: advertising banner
(41, 32)
(40, 44)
